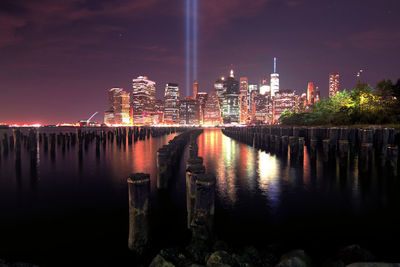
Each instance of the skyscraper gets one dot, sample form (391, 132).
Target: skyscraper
(244, 94)
(219, 89)
(333, 83)
(274, 80)
(195, 89)
(260, 107)
(118, 112)
(202, 99)
(317, 94)
(189, 112)
(171, 108)
(253, 89)
(212, 113)
(143, 97)
(310, 93)
(231, 107)
(284, 100)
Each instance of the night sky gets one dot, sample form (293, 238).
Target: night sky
(58, 58)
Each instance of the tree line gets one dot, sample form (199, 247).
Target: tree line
(362, 105)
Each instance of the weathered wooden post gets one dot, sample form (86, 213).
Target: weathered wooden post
(294, 147)
(163, 168)
(393, 155)
(191, 173)
(139, 198)
(203, 222)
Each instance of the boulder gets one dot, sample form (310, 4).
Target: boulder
(175, 256)
(159, 261)
(295, 258)
(248, 257)
(354, 253)
(221, 259)
(198, 249)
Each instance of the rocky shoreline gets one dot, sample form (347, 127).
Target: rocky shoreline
(220, 254)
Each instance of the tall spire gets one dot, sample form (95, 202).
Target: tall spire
(232, 75)
(274, 64)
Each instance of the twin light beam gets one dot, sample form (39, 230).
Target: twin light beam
(191, 43)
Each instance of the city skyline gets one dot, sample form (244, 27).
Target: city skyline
(59, 71)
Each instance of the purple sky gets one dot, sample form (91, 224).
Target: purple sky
(58, 58)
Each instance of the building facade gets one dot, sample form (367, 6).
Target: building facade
(212, 112)
(244, 95)
(171, 104)
(119, 107)
(202, 99)
(189, 112)
(231, 102)
(284, 100)
(142, 101)
(333, 83)
(310, 93)
(274, 80)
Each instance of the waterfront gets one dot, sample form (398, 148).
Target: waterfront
(74, 210)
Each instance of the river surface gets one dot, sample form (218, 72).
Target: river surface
(73, 210)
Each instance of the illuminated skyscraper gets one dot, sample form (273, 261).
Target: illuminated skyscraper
(171, 108)
(219, 89)
(265, 89)
(244, 94)
(212, 113)
(143, 97)
(284, 100)
(253, 89)
(231, 107)
(260, 107)
(317, 95)
(158, 116)
(202, 99)
(189, 112)
(118, 112)
(274, 80)
(310, 93)
(333, 83)
(195, 89)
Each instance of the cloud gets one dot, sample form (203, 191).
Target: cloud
(39, 15)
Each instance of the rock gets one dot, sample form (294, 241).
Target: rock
(176, 256)
(373, 264)
(198, 249)
(334, 263)
(221, 258)
(248, 257)
(355, 253)
(295, 258)
(159, 261)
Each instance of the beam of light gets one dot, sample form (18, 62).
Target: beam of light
(195, 30)
(188, 38)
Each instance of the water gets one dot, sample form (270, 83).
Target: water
(74, 210)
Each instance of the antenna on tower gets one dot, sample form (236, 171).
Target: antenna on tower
(274, 64)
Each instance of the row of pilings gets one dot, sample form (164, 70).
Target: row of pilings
(168, 158)
(33, 139)
(200, 203)
(368, 144)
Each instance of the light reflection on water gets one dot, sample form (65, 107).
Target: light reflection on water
(260, 196)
